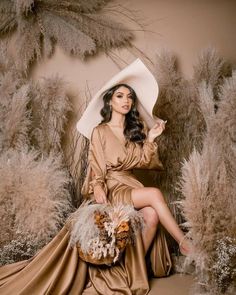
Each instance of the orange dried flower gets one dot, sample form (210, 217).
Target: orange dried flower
(121, 244)
(124, 226)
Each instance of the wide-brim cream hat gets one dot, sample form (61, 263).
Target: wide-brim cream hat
(140, 79)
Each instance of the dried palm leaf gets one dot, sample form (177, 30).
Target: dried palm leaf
(79, 27)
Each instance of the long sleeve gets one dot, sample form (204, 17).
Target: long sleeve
(96, 171)
(149, 157)
(148, 154)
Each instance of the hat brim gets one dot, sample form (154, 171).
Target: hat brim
(140, 79)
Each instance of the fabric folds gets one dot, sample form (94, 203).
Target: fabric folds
(57, 268)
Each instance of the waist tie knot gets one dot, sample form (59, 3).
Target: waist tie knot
(112, 173)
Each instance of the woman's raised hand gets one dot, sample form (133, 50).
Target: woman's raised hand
(99, 194)
(156, 130)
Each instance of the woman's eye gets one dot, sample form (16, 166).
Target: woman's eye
(119, 96)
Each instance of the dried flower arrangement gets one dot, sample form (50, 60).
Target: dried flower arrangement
(81, 28)
(102, 231)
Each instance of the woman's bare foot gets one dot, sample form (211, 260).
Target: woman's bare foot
(185, 246)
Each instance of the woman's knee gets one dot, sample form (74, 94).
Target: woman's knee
(156, 195)
(150, 217)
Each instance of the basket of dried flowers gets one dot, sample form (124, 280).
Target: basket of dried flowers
(101, 232)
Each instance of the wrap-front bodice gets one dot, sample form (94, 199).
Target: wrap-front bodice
(111, 162)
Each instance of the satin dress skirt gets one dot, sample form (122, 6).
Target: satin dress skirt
(58, 270)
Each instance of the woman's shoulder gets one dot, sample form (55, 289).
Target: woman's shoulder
(99, 127)
(99, 130)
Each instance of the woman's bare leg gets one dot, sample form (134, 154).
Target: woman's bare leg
(151, 221)
(153, 197)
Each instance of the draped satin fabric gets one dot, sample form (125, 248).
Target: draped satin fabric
(57, 268)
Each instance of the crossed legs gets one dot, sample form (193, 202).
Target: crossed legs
(152, 203)
(151, 222)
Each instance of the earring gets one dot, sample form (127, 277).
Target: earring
(110, 106)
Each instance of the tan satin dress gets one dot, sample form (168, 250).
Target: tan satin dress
(57, 269)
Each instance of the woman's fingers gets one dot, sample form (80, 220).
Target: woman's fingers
(101, 199)
(99, 194)
(104, 199)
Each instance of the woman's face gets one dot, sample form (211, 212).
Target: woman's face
(121, 100)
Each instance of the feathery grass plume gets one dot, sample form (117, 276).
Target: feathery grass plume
(76, 159)
(225, 128)
(5, 61)
(103, 30)
(76, 153)
(50, 106)
(23, 7)
(177, 104)
(28, 46)
(80, 27)
(208, 185)
(14, 112)
(88, 6)
(15, 127)
(212, 69)
(8, 17)
(34, 199)
(76, 43)
(34, 194)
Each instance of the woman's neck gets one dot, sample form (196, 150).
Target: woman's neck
(117, 120)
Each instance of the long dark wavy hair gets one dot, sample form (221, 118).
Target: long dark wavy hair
(133, 129)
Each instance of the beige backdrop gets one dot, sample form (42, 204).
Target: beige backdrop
(182, 26)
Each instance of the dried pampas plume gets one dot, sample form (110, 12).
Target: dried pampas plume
(177, 104)
(32, 113)
(212, 69)
(208, 185)
(80, 27)
(50, 107)
(34, 188)
(14, 106)
(34, 197)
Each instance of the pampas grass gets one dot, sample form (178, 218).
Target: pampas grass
(32, 114)
(178, 105)
(17, 120)
(76, 154)
(76, 159)
(14, 112)
(34, 187)
(190, 108)
(34, 199)
(208, 185)
(50, 108)
(80, 27)
(212, 69)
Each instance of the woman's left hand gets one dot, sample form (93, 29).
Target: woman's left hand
(156, 130)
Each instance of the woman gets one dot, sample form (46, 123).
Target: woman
(121, 127)
(119, 144)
